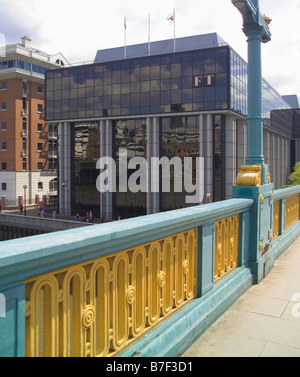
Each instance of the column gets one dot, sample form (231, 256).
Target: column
(255, 119)
(230, 155)
(149, 132)
(154, 151)
(202, 151)
(297, 149)
(102, 137)
(208, 164)
(109, 195)
(241, 141)
(64, 150)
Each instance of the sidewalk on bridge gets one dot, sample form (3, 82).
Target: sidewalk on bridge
(264, 322)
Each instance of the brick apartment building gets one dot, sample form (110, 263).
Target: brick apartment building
(28, 146)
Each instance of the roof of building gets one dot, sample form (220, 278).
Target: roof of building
(25, 49)
(196, 42)
(292, 100)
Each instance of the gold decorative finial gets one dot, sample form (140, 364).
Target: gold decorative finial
(268, 21)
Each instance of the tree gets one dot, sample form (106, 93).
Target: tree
(295, 176)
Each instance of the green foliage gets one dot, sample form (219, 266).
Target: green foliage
(295, 176)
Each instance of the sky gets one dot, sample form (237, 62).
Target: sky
(78, 29)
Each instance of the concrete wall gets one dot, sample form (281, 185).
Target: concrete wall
(39, 223)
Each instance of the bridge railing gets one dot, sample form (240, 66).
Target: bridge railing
(148, 285)
(95, 291)
(286, 209)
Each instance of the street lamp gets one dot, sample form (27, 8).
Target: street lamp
(25, 187)
(253, 182)
(256, 28)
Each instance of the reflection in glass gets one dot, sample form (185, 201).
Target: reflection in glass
(180, 138)
(86, 152)
(218, 157)
(132, 136)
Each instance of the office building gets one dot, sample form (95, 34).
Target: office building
(28, 146)
(155, 101)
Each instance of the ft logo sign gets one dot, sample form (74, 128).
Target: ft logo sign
(205, 80)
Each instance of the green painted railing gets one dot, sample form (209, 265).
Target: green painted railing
(135, 259)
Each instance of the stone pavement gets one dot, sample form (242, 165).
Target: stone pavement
(264, 322)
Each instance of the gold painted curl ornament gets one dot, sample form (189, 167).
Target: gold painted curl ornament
(131, 295)
(161, 279)
(88, 316)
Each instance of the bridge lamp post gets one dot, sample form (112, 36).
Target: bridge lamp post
(254, 181)
(25, 187)
(256, 28)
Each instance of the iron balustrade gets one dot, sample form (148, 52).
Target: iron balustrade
(100, 291)
(99, 307)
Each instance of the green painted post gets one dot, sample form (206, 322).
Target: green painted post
(244, 238)
(12, 320)
(252, 182)
(206, 258)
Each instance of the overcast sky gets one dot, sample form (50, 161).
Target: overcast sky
(78, 29)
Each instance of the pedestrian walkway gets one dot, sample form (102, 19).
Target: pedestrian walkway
(264, 322)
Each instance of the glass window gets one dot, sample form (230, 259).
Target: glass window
(165, 71)
(3, 126)
(218, 158)
(221, 66)
(81, 93)
(132, 135)
(85, 152)
(187, 69)
(116, 77)
(155, 72)
(187, 96)
(3, 105)
(3, 146)
(65, 83)
(107, 78)
(3, 85)
(145, 73)
(176, 70)
(180, 138)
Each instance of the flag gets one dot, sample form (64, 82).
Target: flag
(171, 18)
(125, 25)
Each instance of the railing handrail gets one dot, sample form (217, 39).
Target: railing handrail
(40, 254)
(286, 192)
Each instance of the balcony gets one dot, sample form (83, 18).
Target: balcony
(25, 93)
(52, 135)
(24, 153)
(24, 133)
(24, 113)
(52, 154)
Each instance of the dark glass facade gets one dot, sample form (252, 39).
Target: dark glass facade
(218, 157)
(179, 138)
(132, 136)
(177, 82)
(166, 92)
(85, 153)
